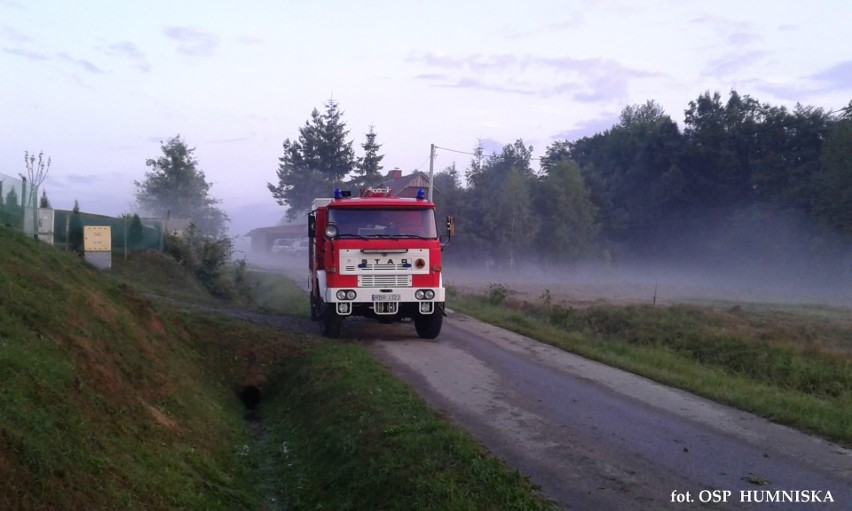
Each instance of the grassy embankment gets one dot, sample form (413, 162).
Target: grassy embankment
(112, 399)
(790, 364)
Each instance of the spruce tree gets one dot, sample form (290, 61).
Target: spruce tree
(315, 164)
(369, 168)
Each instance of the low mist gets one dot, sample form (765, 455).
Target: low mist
(750, 256)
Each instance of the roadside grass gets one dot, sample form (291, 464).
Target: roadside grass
(274, 292)
(351, 436)
(792, 365)
(106, 403)
(111, 400)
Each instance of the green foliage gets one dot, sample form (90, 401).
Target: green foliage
(175, 186)
(316, 163)
(75, 230)
(499, 203)
(135, 233)
(44, 203)
(566, 215)
(369, 167)
(497, 293)
(653, 184)
(833, 203)
(207, 258)
(12, 210)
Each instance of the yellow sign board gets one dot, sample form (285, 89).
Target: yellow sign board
(97, 238)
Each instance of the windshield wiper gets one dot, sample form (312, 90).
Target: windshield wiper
(353, 236)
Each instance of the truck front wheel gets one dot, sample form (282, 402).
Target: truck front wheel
(330, 322)
(428, 327)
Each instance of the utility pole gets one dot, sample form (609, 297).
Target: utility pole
(431, 170)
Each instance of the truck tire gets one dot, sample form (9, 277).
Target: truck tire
(330, 322)
(428, 327)
(315, 307)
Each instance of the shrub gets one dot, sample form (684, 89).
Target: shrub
(497, 293)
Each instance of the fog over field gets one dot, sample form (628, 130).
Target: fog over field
(777, 257)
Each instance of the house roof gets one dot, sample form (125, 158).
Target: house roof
(406, 186)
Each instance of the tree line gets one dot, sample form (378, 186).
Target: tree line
(739, 173)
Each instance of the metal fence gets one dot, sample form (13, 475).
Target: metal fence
(18, 204)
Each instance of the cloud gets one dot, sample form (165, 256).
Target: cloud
(837, 77)
(587, 80)
(128, 50)
(83, 64)
(733, 62)
(27, 54)
(587, 128)
(193, 42)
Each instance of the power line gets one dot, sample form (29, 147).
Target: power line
(474, 154)
(455, 151)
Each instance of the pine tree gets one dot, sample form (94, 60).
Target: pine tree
(369, 166)
(316, 163)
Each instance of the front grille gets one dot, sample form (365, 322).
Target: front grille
(384, 280)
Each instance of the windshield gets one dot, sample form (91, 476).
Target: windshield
(384, 223)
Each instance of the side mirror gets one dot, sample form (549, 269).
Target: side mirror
(312, 226)
(451, 231)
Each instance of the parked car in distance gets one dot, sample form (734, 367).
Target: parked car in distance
(297, 248)
(280, 245)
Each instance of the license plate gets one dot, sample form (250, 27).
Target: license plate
(386, 298)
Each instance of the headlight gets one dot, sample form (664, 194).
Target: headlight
(419, 294)
(331, 230)
(429, 294)
(350, 294)
(341, 295)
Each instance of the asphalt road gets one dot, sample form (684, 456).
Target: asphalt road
(597, 438)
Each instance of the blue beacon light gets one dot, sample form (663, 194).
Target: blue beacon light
(420, 194)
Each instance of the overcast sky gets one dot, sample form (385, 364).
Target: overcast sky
(98, 84)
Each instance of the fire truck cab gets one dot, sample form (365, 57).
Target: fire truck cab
(376, 256)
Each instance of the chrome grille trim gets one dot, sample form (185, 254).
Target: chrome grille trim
(384, 280)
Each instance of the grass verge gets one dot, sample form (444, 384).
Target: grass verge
(107, 402)
(790, 366)
(112, 401)
(351, 436)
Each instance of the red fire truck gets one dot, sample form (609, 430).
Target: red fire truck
(376, 256)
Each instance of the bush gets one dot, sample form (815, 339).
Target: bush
(208, 259)
(497, 293)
